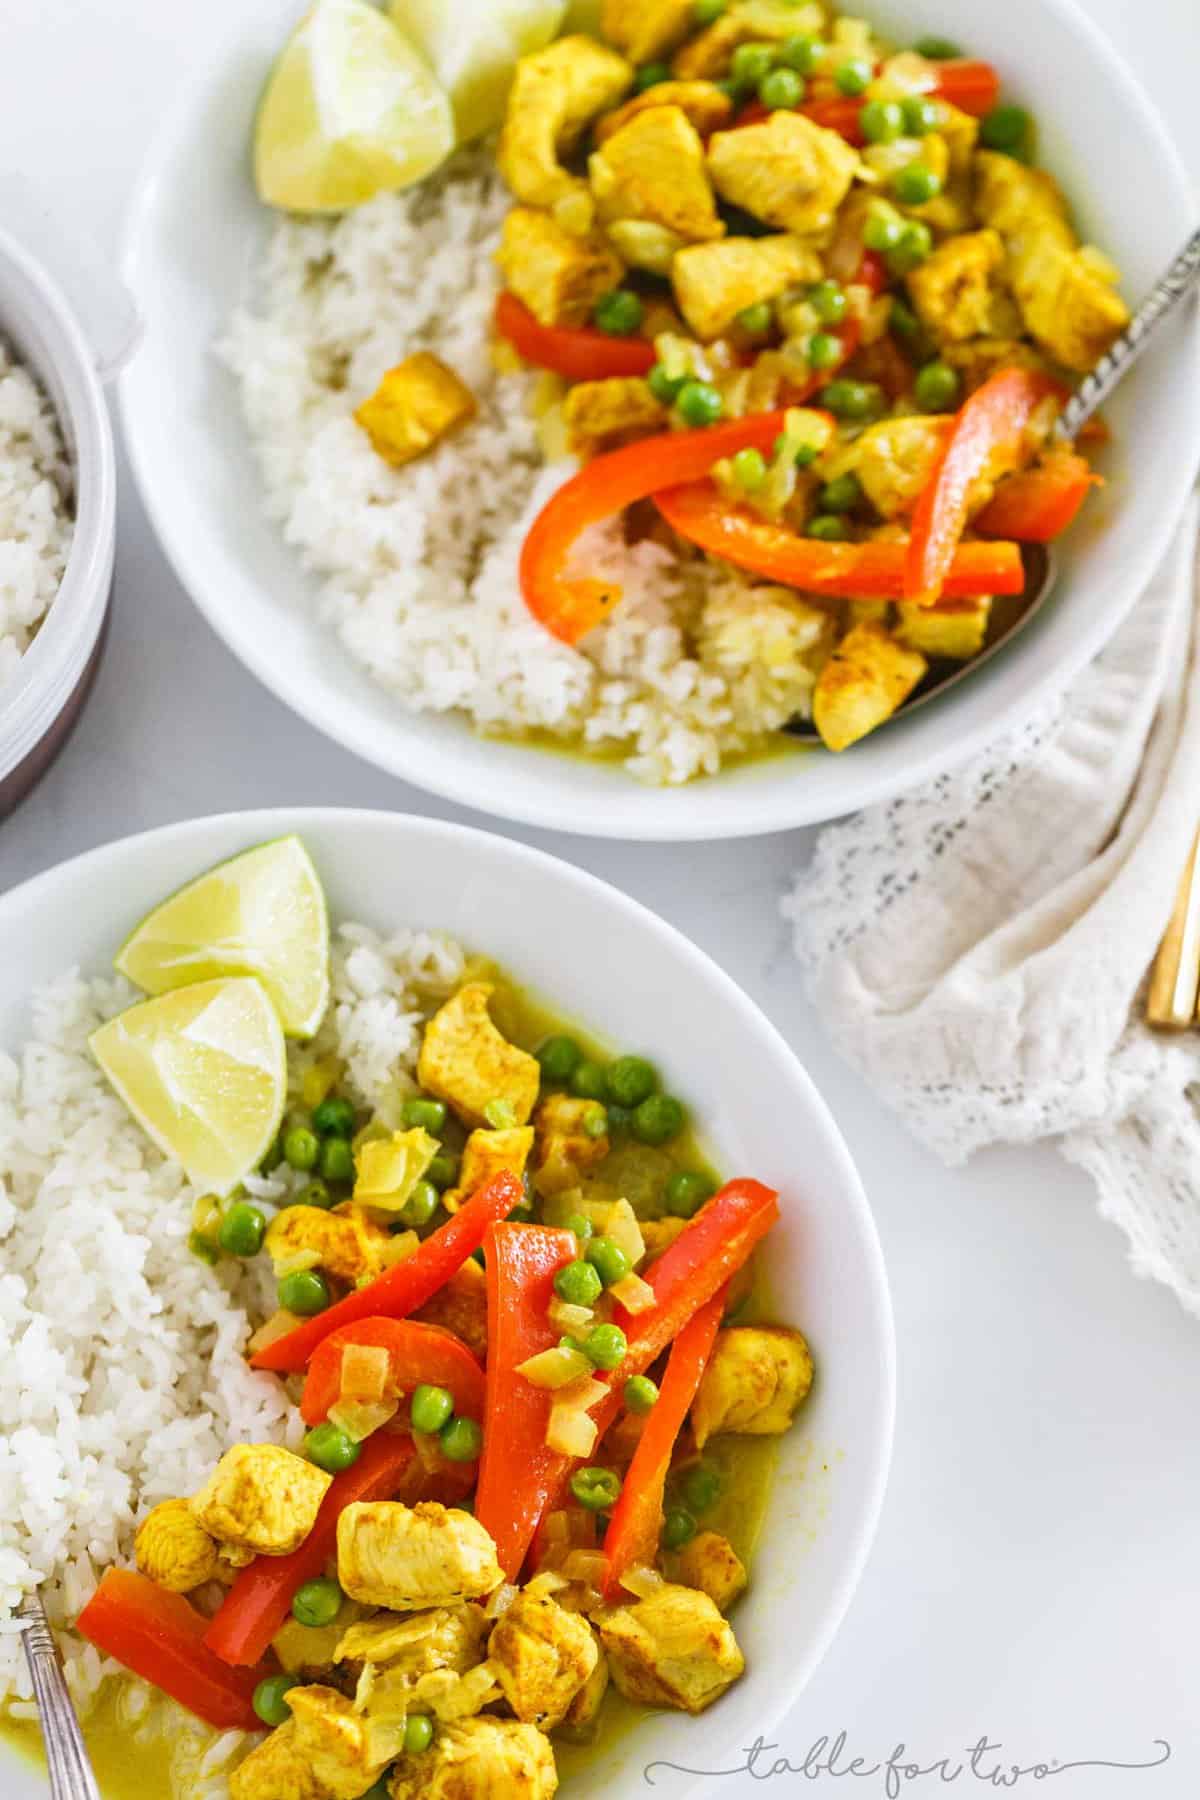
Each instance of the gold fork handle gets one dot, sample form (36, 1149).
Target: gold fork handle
(71, 1776)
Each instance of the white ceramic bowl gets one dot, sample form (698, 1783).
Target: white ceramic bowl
(193, 235)
(566, 934)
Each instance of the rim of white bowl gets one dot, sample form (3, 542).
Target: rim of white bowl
(742, 808)
(263, 824)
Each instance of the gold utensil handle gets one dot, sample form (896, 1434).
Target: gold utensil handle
(1175, 983)
(71, 1776)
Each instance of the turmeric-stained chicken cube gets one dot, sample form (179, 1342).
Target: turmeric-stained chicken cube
(277, 1769)
(868, 677)
(671, 1649)
(406, 1558)
(417, 403)
(653, 169)
(466, 1062)
(894, 461)
(558, 276)
(555, 95)
(487, 1154)
(957, 630)
(173, 1549)
(715, 282)
(711, 1564)
(756, 1377)
(479, 1759)
(543, 1655)
(565, 1144)
(623, 406)
(445, 1637)
(646, 30)
(261, 1498)
(702, 102)
(957, 288)
(346, 1244)
(787, 171)
(335, 1740)
(709, 55)
(311, 1650)
(460, 1306)
(584, 1711)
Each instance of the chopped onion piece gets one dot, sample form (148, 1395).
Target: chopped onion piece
(295, 1262)
(271, 1330)
(399, 1249)
(359, 1422)
(642, 1581)
(587, 1565)
(383, 1740)
(365, 1687)
(366, 1372)
(634, 1294)
(622, 1229)
(570, 1432)
(499, 1600)
(564, 1316)
(557, 1368)
(557, 1528)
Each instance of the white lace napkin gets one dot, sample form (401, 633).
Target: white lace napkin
(979, 948)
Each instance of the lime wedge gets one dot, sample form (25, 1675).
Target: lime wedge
(351, 110)
(261, 913)
(204, 1071)
(473, 49)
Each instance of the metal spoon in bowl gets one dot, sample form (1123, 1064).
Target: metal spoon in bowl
(71, 1776)
(1010, 616)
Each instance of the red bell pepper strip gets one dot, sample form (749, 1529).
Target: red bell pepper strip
(261, 1598)
(160, 1637)
(633, 1530)
(700, 513)
(402, 1289)
(581, 354)
(517, 1466)
(1038, 504)
(988, 438)
(416, 1353)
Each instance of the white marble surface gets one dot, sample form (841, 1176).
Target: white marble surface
(1037, 1575)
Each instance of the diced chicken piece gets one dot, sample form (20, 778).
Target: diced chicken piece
(565, 1148)
(347, 1245)
(555, 95)
(701, 101)
(559, 277)
(447, 1637)
(584, 1709)
(596, 412)
(407, 1558)
(335, 1741)
(711, 1564)
(277, 1770)
(671, 1649)
(715, 282)
(653, 169)
(646, 30)
(659, 1234)
(866, 679)
(955, 290)
(756, 1377)
(312, 1649)
(261, 1498)
(479, 1759)
(543, 1655)
(466, 1062)
(1068, 299)
(980, 358)
(487, 1154)
(787, 171)
(709, 55)
(957, 632)
(461, 1307)
(173, 1549)
(417, 403)
(894, 461)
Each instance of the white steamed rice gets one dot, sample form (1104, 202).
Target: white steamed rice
(122, 1378)
(418, 566)
(35, 511)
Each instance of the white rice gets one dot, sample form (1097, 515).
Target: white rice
(418, 566)
(122, 1378)
(35, 510)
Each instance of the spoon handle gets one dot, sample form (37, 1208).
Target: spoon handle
(71, 1776)
(1178, 282)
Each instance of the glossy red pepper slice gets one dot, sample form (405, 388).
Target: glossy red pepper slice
(416, 1353)
(580, 353)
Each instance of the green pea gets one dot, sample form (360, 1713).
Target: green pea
(707, 12)
(597, 1489)
(751, 62)
(665, 389)
(1005, 128)
(749, 470)
(269, 1702)
(331, 1448)
(619, 313)
(853, 76)
(757, 320)
(937, 388)
(882, 230)
(443, 1170)
(301, 1147)
(589, 1082)
(852, 399)
(317, 1603)
(595, 1122)
(461, 1440)
(419, 1114)
(824, 350)
(651, 74)
(829, 302)
(829, 528)
(842, 495)
(606, 1346)
(915, 184)
(337, 1160)
(806, 455)
(904, 321)
(658, 1119)
(639, 1393)
(431, 1408)
(583, 1228)
(800, 52)
(699, 404)
(679, 1528)
(418, 1734)
(620, 1120)
(630, 1080)
(881, 121)
(578, 1283)
(920, 115)
(608, 1259)
(937, 49)
(242, 1229)
(916, 242)
(334, 1118)
(420, 1206)
(782, 90)
(559, 1057)
(304, 1291)
(315, 1193)
(700, 1488)
(686, 1192)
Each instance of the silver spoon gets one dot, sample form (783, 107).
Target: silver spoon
(71, 1776)
(1009, 617)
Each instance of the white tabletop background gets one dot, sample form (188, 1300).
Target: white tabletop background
(1037, 1574)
